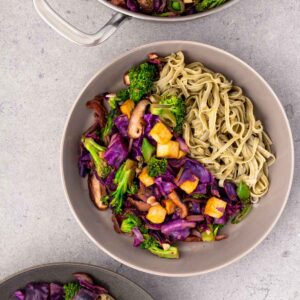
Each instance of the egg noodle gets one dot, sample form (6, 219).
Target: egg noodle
(220, 127)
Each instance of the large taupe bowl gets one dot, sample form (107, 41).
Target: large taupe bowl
(196, 258)
(118, 286)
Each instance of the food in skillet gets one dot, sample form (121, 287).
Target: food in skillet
(177, 155)
(168, 8)
(82, 288)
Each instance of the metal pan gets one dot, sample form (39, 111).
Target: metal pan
(67, 30)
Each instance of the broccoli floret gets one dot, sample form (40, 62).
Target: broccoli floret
(156, 167)
(109, 124)
(141, 80)
(208, 4)
(133, 189)
(71, 289)
(171, 110)
(101, 166)
(124, 179)
(130, 222)
(123, 94)
(152, 245)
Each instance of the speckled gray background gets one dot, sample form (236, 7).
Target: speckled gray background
(40, 76)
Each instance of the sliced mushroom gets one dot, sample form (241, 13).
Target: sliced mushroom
(146, 5)
(136, 122)
(140, 205)
(126, 79)
(152, 56)
(221, 237)
(143, 193)
(120, 3)
(183, 209)
(116, 224)
(97, 191)
(97, 105)
(193, 239)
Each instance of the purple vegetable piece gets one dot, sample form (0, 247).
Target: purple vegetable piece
(121, 122)
(85, 294)
(201, 189)
(87, 282)
(56, 292)
(223, 220)
(37, 291)
(195, 207)
(186, 175)
(132, 5)
(165, 184)
(214, 188)
(182, 145)
(230, 190)
(180, 235)
(136, 150)
(116, 152)
(156, 5)
(84, 162)
(19, 295)
(176, 225)
(162, 6)
(138, 237)
(109, 181)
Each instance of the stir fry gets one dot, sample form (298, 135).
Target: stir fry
(138, 165)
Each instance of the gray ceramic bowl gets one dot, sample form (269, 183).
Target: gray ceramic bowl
(117, 285)
(196, 258)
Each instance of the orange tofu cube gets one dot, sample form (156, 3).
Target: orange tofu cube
(145, 178)
(215, 207)
(160, 133)
(168, 150)
(189, 186)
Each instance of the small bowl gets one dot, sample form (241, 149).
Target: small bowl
(196, 258)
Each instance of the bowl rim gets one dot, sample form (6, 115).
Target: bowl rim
(279, 213)
(73, 264)
(146, 17)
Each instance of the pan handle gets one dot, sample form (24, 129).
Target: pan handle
(73, 34)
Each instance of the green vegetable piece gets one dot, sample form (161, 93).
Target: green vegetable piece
(216, 228)
(105, 199)
(156, 167)
(171, 110)
(101, 166)
(176, 5)
(243, 191)
(109, 124)
(129, 223)
(124, 180)
(71, 289)
(141, 80)
(207, 235)
(155, 248)
(208, 4)
(243, 214)
(147, 150)
(133, 189)
(123, 95)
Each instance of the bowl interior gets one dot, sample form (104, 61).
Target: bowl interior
(117, 285)
(195, 258)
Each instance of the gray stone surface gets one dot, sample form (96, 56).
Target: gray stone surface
(41, 74)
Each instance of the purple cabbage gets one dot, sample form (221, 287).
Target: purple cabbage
(150, 121)
(56, 292)
(132, 5)
(136, 150)
(223, 220)
(182, 145)
(87, 282)
(109, 181)
(138, 237)
(214, 188)
(19, 295)
(122, 122)
(84, 162)
(180, 235)
(116, 152)
(230, 190)
(165, 184)
(37, 291)
(186, 175)
(195, 207)
(85, 294)
(201, 189)
(176, 225)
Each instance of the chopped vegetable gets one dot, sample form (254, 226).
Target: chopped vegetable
(156, 214)
(147, 150)
(71, 289)
(124, 178)
(141, 80)
(209, 4)
(95, 151)
(181, 154)
(243, 214)
(129, 223)
(109, 125)
(170, 109)
(156, 167)
(183, 209)
(160, 133)
(215, 207)
(243, 191)
(168, 150)
(170, 206)
(127, 108)
(145, 178)
(97, 192)
(155, 248)
(189, 186)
